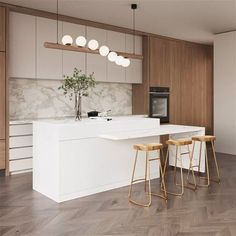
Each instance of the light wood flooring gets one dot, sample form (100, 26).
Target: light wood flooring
(207, 212)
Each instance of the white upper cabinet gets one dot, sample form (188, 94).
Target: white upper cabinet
(28, 58)
(129, 44)
(73, 59)
(116, 42)
(133, 73)
(49, 61)
(97, 63)
(22, 44)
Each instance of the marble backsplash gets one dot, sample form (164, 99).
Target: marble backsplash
(34, 99)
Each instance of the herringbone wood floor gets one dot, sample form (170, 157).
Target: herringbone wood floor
(207, 212)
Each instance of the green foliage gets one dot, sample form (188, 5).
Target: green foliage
(78, 84)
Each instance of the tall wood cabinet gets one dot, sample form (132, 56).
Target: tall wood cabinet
(2, 96)
(2, 88)
(2, 29)
(187, 69)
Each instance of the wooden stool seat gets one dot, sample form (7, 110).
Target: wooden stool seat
(206, 138)
(179, 142)
(148, 147)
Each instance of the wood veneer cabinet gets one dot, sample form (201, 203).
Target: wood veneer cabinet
(2, 29)
(2, 88)
(187, 68)
(2, 154)
(2, 95)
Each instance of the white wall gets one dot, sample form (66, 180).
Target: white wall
(225, 92)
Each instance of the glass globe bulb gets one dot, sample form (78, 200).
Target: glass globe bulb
(67, 40)
(119, 60)
(112, 56)
(103, 50)
(81, 41)
(93, 44)
(126, 62)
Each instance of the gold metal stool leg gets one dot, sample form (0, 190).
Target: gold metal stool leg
(207, 170)
(133, 181)
(191, 169)
(146, 166)
(160, 152)
(162, 176)
(181, 173)
(216, 163)
(217, 168)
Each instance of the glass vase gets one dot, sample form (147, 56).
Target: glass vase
(78, 106)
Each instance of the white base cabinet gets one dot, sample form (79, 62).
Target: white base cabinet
(76, 159)
(20, 147)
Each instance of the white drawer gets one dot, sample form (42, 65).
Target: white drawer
(19, 153)
(22, 129)
(23, 164)
(21, 141)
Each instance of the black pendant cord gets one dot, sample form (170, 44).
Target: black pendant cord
(134, 7)
(86, 55)
(57, 22)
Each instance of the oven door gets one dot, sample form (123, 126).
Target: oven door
(159, 106)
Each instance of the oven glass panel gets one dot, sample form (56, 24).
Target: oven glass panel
(159, 107)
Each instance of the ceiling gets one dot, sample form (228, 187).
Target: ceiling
(192, 20)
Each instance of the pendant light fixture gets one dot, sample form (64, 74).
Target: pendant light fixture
(80, 41)
(120, 58)
(104, 51)
(112, 56)
(67, 40)
(126, 61)
(93, 44)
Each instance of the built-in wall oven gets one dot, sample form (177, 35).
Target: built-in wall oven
(159, 103)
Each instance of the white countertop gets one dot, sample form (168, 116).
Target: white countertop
(71, 120)
(163, 130)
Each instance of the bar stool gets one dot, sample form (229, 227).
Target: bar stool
(147, 148)
(178, 143)
(206, 139)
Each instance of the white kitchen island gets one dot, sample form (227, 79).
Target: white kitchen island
(73, 159)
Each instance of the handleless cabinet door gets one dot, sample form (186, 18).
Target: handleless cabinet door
(49, 61)
(130, 41)
(2, 95)
(73, 59)
(97, 63)
(133, 73)
(116, 42)
(2, 29)
(22, 36)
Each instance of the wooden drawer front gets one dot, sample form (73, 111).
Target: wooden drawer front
(21, 141)
(2, 154)
(19, 153)
(16, 130)
(19, 165)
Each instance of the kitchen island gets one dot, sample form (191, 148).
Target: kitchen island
(73, 159)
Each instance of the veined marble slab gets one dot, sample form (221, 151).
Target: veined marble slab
(34, 99)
